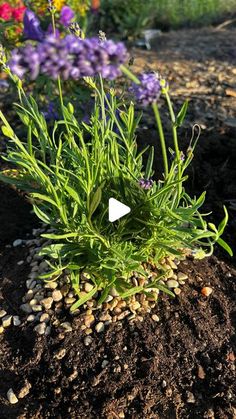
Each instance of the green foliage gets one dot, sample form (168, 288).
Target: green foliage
(130, 18)
(72, 170)
(127, 18)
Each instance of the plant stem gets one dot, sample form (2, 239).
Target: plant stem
(175, 139)
(162, 139)
(128, 73)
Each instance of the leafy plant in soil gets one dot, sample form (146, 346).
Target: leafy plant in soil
(72, 168)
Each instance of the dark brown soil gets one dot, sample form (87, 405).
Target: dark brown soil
(181, 367)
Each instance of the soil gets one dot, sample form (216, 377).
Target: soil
(182, 366)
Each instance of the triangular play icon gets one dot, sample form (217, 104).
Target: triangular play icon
(117, 209)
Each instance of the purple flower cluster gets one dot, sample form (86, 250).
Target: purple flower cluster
(146, 183)
(149, 89)
(70, 57)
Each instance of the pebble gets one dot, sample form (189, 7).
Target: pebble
(105, 363)
(60, 354)
(113, 292)
(30, 284)
(17, 242)
(44, 317)
(43, 266)
(172, 283)
(37, 307)
(181, 276)
(48, 331)
(190, 397)
(33, 302)
(66, 326)
(201, 373)
(155, 318)
(88, 340)
(108, 299)
(40, 328)
(51, 285)
(2, 313)
(29, 295)
(206, 291)
(47, 302)
(88, 287)
(12, 397)
(57, 295)
(123, 315)
(30, 318)
(89, 319)
(25, 390)
(16, 321)
(26, 308)
(99, 327)
(1, 330)
(70, 300)
(20, 262)
(177, 291)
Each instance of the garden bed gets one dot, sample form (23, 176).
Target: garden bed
(179, 367)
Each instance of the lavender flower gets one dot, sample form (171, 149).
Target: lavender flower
(146, 183)
(66, 16)
(149, 89)
(32, 28)
(70, 57)
(50, 113)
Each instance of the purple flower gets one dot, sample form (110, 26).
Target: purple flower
(70, 57)
(146, 183)
(149, 89)
(32, 28)
(66, 16)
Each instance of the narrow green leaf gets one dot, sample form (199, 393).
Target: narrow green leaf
(95, 201)
(225, 246)
(182, 113)
(83, 299)
(148, 171)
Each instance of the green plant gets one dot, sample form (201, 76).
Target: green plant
(71, 170)
(127, 18)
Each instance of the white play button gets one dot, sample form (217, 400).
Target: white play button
(117, 209)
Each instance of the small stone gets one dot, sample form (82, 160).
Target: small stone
(25, 390)
(40, 328)
(121, 415)
(66, 326)
(48, 331)
(69, 300)
(201, 373)
(43, 266)
(105, 363)
(12, 397)
(57, 295)
(206, 291)
(88, 331)
(88, 340)
(172, 283)
(33, 302)
(172, 264)
(190, 397)
(181, 276)
(20, 262)
(65, 289)
(125, 366)
(123, 315)
(155, 318)
(30, 284)
(16, 321)
(177, 291)
(44, 317)
(17, 242)
(104, 317)
(132, 317)
(1, 330)
(47, 302)
(135, 306)
(30, 318)
(113, 292)
(2, 313)
(88, 287)
(29, 295)
(60, 354)
(89, 319)
(51, 285)
(108, 299)
(99, 327)
(26, 308)
(37, 308)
